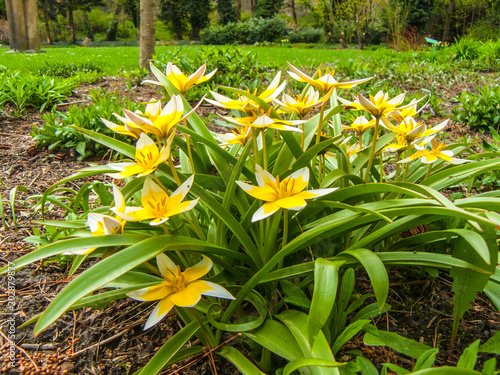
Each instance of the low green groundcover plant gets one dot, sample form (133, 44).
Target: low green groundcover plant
(258, 231)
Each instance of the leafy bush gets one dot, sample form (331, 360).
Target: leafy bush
(305, 35)
(254, 30)
(466, 48)
(479, 111)
(65, 70)
(59, 130)
(32, 91)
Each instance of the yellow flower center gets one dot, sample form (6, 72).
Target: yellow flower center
(158, 206)
(178, 281)
(283, 189)
(145, 157)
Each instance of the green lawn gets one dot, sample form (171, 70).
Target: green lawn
(112, 59)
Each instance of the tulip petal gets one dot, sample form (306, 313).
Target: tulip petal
(165, 265)
(159, 312)
(199, 270)
(216, 291)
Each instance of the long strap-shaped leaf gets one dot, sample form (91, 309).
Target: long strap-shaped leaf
(169, 349)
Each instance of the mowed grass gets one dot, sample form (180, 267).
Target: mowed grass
(114, 59)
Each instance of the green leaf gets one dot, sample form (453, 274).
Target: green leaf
(326, 279)
(467, 283)
(446, 370)
(376, 271)
(277, 338)
(492, 345)
(169, 349)
(241, 362)
(469, 357)
(114, 144)
(12, 200)
(394, 341)
(398, 370)
(309, 362)
(348, 333)
(366, 366)
(426, 360)
(75, 244)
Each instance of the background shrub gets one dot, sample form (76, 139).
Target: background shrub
(305, 35)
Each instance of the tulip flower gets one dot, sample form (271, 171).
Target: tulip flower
(100, 225)
(324, 83)
(245, 104)
(129, 128)
(288, 194)
(182, 82)
(378, 105)
(300, 105)
(158, 121)
(264, 121)
(157, 205)
(238, 136)
(183, 289)
(360, 125)
(147, 158)
(435, 153)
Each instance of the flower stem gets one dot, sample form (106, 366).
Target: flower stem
(285, 228)
(188, 145)
(374, 147)
(428, 171)
(264, 151)
(174, 172)
(255, 146)
(407, 165)
(320, 123)
(206, 333)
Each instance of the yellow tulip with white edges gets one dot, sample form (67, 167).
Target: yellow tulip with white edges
(183, 289)
(183, 82)
(157, 205)
(246, 104)
(325, 82)
(289, 193)
(147, 158)
(434, 154)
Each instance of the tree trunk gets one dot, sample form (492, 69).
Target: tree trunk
(147, 33)
(195, 32)
(46, 21)
(71, 23)
(447, 23)
(294, 13)
(238, 10)
(88, 29)
(23, 24)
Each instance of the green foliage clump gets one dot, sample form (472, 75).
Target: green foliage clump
(60, 129)
(306, 35)
(480, 110)
(66, 70)
(255, 30)
(33, 91)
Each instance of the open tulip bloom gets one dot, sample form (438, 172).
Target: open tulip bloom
(300, 105)
(288, 194)
(239, 136)
(147, 158)
(244, 103)
(160, 121)
(435, 153)
(99, 225)
(128, 128)
(184, 82)
(183, 289)
(378, 105)
(324, 83)
(157, 205)
(264, 121)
